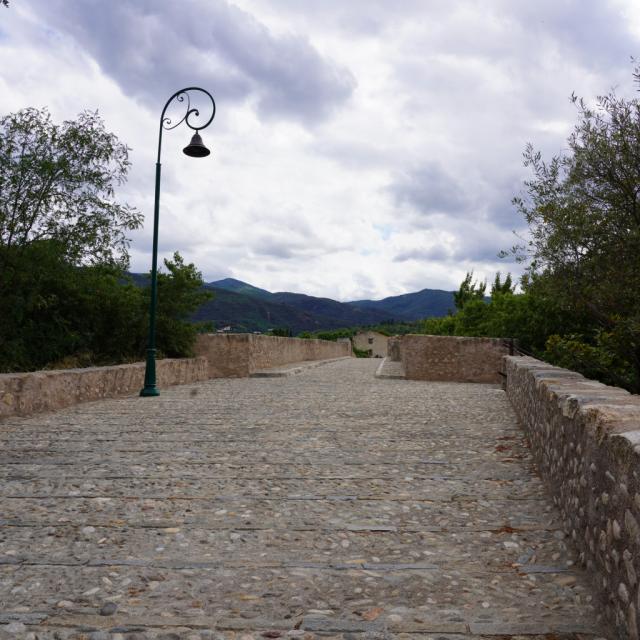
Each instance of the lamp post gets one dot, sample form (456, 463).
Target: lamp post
(194, 149)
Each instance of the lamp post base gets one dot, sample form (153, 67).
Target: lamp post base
(148, 392)
(150, 389)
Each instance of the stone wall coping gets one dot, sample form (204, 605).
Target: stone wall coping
(633, 437)
(603, 408)
(456, 338)
(43, 373)
(81, 370)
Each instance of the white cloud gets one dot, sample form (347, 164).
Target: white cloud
(359, 150)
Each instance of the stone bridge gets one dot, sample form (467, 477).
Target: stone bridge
(329, 504)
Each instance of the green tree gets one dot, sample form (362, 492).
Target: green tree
(64, 297)
(284, 332)
(57, 214)
(528, 317)
(583, 212)
(469, 290)
(61, 314)
(330, 334)
(439, 326)
(601, 357)
(498, 287)
(57, 182)
(180, 293)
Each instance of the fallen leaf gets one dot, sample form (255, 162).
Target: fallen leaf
(507, 529)
(372, 614)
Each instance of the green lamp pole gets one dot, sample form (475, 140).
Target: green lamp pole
(194, 149)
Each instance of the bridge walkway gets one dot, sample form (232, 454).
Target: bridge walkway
(330, 504)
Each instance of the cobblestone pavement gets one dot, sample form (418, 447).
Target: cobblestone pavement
(327, 504)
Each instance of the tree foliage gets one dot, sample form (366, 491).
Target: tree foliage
(180, 293)
(283, 332)
(469, 290)
(65, 299)
(330, 334)
(57, 182)
(583, 212)
(61, 314)
(528, 318)
(498, 287)
(64, 315)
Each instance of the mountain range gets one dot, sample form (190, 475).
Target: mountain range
(244, 307)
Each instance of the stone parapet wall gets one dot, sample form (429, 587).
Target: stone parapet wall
(585, 438)
(452, 359)
(393, 349)
(227, 355)
(29, 393)
(238, 355)
(218, 356)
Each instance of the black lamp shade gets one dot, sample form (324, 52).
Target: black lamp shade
(196, 148)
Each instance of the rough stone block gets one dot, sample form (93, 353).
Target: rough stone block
(585, 439)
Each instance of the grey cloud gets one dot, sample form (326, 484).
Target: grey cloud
(350, 17)
(501, 189)
(481, 243)
(440, 201)
(151, 48)
(593, 30)
(469, 249)
(287, 247)
(274, 248)
(530, 45)
(429, 189)
(474, 241)
(351, 153)
(436, 253)
(527, 31)
(504, 214)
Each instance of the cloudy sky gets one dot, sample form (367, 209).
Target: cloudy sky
(360, 148)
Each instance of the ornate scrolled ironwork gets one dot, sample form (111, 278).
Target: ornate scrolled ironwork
(190, 115)
(181, 96)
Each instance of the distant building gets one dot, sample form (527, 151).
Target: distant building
(374, 343)
(223, 329)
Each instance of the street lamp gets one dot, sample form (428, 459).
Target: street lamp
(195, 149)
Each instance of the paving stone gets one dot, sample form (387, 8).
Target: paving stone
(327, 504)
